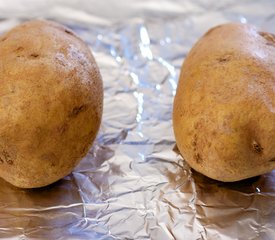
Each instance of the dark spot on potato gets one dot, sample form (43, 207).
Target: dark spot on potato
(68, 32)
(194, 149)
(63, 128)
(19, 49)
(200, 124)
(224, 59)
(269, 37)
(257, 147)
(50, 157)
(198, 158)
(3, 39)
(272, 160)
(60, 62)
(9, 161)
(63, 50)
(5, 156)
(77, 110)
(194, 141)
(34, 55)
(84, 149)
(91, 133)
(1, 161)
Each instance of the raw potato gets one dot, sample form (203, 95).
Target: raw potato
(51, 100)
(224, 108)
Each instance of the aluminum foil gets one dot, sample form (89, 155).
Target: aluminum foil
(133, 184)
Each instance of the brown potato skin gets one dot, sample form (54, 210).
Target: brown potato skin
(224, 108)
(51, 99)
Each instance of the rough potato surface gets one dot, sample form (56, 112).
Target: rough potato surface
(51, 100)
(224, 108)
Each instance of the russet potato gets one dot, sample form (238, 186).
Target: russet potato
(51, 99)
(224, 108)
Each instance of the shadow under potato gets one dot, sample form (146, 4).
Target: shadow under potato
(260, 184)
(63, 192)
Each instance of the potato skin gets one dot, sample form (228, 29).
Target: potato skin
(224, 108)
(51, 99)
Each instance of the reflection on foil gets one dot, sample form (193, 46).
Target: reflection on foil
(133, 184)
(139, 97)
(145, 44)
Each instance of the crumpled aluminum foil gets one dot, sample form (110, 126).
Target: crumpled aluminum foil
(133, 184)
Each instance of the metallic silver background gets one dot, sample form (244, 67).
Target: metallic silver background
(133, 184)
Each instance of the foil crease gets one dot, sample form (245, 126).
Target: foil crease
(133, 184)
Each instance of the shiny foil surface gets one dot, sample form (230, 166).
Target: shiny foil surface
(133, 184)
